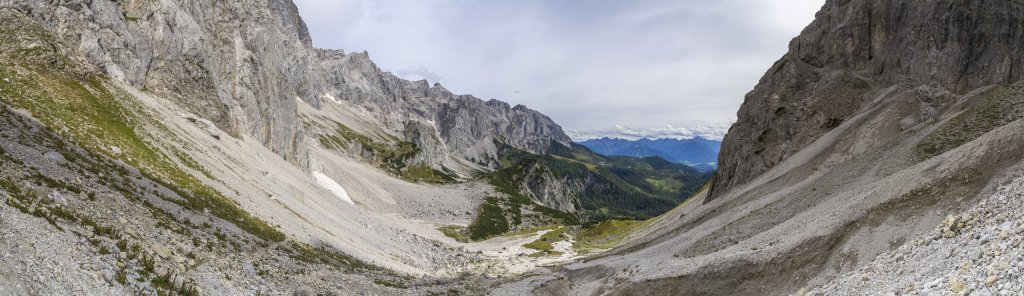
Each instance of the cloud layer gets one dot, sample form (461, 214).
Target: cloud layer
(663, 132)
(664, 67)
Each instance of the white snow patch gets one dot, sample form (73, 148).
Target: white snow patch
(332, 186)
(329, 96)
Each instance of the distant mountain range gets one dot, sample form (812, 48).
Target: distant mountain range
(698, 152)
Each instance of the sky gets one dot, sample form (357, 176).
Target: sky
(628, 69)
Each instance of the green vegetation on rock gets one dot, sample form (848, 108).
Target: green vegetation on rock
(614, 187)
(607, 234)
(391, 155)
(1001, 108)
(81, 107)
(456, 232)
(324, 254)
(511, 211)
(547, 240)
(424, 173)
(621, 188)
(491, 219)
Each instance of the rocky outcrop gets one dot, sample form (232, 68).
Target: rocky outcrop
(443, 123)
(243, 64)
(855, 51)
(884, 119)
(982, 244)
(552, 191)
(235, 63)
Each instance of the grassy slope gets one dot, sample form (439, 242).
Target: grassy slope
(84, 108)
(546, 242)
(81, 107)
(607, 234)
(1001, 108)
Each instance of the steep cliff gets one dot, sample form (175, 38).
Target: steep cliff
(206, 146)
(882, 125)
(885, 121)
(177, 146)
(242, 64)
(857, 50)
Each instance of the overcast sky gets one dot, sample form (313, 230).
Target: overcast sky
(672, 68)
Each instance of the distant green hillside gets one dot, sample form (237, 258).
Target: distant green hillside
(598, 187)
(698, 152)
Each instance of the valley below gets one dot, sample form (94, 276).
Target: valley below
(207, 148)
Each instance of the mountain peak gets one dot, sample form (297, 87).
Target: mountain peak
(688, 151)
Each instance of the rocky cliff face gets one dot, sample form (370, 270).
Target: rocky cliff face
(884, 120)
(857, 50)
(243, 64)
(433, 117)
(238, 66)
(560, 193)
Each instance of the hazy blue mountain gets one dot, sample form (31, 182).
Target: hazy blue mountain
(698, 152)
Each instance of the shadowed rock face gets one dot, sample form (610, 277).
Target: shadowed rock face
(852, 52)
(884, 118)
(243, 64)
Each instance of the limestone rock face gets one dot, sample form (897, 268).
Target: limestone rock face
(443, 123)
(554, 192)
(244, 65)
(883, 119)
(856, 50)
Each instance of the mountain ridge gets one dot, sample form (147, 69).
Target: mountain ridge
(695, 151)
(227, 135)
(883, 123)
(199, 147)
(249, 88)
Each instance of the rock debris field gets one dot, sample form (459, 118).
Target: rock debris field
(975, 253)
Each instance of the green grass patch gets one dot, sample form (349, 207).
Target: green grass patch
(546, 242)
(607, 234)
(533, 230)
(424, 173)
(164, 284)
(324, 254)
(540, 254)
(1001, 108)
(459, 233)
(666, 184)
(490, 219)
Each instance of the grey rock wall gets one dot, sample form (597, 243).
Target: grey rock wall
(853, 51)
(243, 64)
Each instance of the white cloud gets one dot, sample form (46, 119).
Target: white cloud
(418, 73)
(663, 132)
(589, 65)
